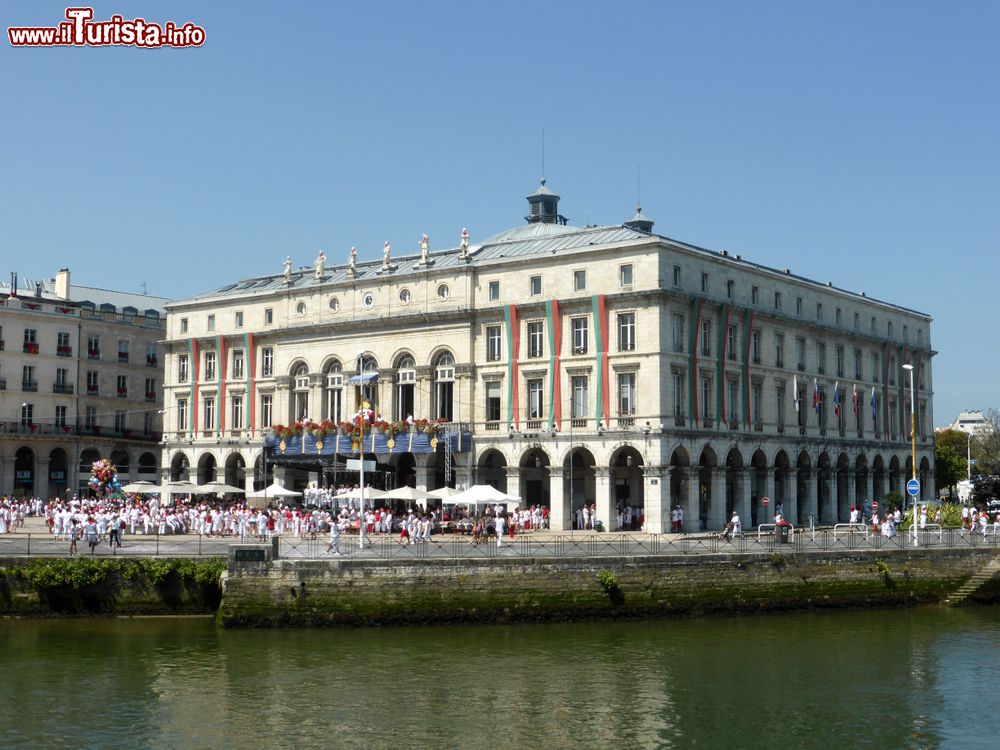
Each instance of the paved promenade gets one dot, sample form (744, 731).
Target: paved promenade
(34, 540)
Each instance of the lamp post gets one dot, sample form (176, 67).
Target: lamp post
(913, 444)
(361, 454)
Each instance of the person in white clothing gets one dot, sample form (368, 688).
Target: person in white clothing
(500, 527)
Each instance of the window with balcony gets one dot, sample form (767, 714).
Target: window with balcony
(266, 410)
(839, 355)
(30, 341)
(626, 394)
(182, 368)
(492, 403)
(493, 343)
(209, 406)
(150, 389)
(731, 342)
(92, 382)
(820, 357)
(121, 422)
(755, 346)
(123, 350)
(122, 383)
(63, 347)
(94, 347)
(266, 362)
(238, 371)
(626, 332)
(536, 339)
(706, 338)
(151, 355)
(90, 418)
(28, 382)
(237, 413)
(677, 381)
(27, 415)
(580, 404)
(61, 417)
(209, 366)
(800, 354)
(779, 350)
(677, 332)
(535, 400)
(182, 414)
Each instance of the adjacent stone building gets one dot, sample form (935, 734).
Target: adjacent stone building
(602, 364)
(80, 379)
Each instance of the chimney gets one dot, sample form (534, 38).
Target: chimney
(62, 283)
(13, 283)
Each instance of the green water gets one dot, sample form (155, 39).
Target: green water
(904, 679)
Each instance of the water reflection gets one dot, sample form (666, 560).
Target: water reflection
(885, 679)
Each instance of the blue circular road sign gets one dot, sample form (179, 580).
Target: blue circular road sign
(913, 487)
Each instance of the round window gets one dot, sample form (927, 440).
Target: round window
(301, 308)
(404, 296)
(443, 291)
(368, 300)
(334, 304)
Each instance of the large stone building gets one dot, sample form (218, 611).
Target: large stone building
(80, 379)
(600, 364)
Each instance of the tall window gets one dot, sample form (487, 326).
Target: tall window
(209, 366)
(333, 407)
(268, 316)
(493, 344)
(94, 347)
(121, 423)
(677, 275)
(678, 393)
(626, 394)
(300, 394)
(839, 354)
(779, 350)
(92, 382)
(239, 319)
(60, 416)
(777, 300)
(236, 422)
(535, 402)
(444, 386)
(211, 322)
(730, 288)
(28, 382)
(493, 292)
(706, 338)
(677, 332)
(90, 418)
(755, 346)
(209, 414)
(820, 357)
(182, 414)
(706, 398)
(800, 354)
(122, 386)
(732, 402)
(63, 348)
(237, 363)
(704, 282)
(756, 390)
(579, 280)
(625, 275)
(731, 342)
(857, 364)
(626, 332)
(27, 414)
(406, 378)
(123, 350)
(266, 362)
(535, 340)
(150, 389)
(779, 396)
(493, 401)
(62, 378)
(182, 368)
(267, 410)
(151, 355)
(755, 295)
(580, 335)
(581, 397)
(535, 285)
(876, 361)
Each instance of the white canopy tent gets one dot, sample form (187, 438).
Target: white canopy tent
(443, 493)
(219, 488)
(142, 487)
(274, 490)
(407, 493)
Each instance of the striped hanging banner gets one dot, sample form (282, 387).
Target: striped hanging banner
(886, 418)
(693, 359)
(554, 324)
(250, 364)
(512, 326)
(220, 347)
(904, 353)
(747, 341)
(195, 371)
(916, 385)
(720, 370)
(600, 313)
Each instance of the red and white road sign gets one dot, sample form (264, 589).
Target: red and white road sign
(765, 500)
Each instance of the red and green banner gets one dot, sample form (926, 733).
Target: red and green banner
(720, 370)
(220, 371)
(554, 323)
(747, 341)
(195, 373)
(513, 339)
(693, 355)
(600, 311)
(251, 367)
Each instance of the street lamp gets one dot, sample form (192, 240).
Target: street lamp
(913, 443)
(361, 455)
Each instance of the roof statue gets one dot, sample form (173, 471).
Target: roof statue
(464, 246)
(352, 263)
(386, 262)
(425, 252)
(320, 265)
(288, 269)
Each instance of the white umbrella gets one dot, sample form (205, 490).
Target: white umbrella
(141, 487)
(177, 488)
(482, 494)
(218, 488)
(409, 494)
(355, 494)
(274, 490)
(443, 492)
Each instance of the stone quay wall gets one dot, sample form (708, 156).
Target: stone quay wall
(320, 593)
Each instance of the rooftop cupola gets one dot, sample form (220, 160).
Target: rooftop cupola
(639, 222)
(544, 207)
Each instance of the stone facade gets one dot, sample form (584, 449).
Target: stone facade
(604, 365)
(81, 378)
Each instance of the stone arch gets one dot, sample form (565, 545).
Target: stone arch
(925, 476)
(59, 472)
(861, 476)
(878, 478)
(295, 367)
(491, 468)
(680, 481)
(405, 466)
(263, 473)
(737, 496)
(87, 458)
(627, 487)
(782, 472)
(206, 468)
(710, 501)
(236, 470)
(147, 464)
(579, 483)
(534, 477)
(759, 476)
(180, 468)
(895, 474)
(803, 501)
(827, 496)
(24, 471)
(844, 500)
(120, 459)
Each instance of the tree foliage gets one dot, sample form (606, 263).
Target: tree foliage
(986, 446)
(950, 448)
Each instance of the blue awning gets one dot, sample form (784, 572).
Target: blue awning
(365, 378)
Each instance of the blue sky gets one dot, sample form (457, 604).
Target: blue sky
(854, 142)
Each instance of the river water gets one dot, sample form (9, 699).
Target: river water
(917, 678)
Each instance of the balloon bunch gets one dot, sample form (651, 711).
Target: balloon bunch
(104, 478)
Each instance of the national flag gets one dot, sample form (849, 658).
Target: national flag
(795, 391)
(816, 398)
(874, 406)
(856, 402)
(836, 399)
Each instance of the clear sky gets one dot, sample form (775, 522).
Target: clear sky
(855, 142)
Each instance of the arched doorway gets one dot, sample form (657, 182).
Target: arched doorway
(878, 480)
(627, 488)
(759, 475)
(88, 456)
(894, 482)
(710, 506)
(680, 477)
(24, 472)
(180, 468)
(781, 472)
(262, 478)
(58, 473)
(798, 511)
(534, 472)
(147, 467)
(206, 468)
(861, 492)
(236, 470)
(406, 470)
(492, 470)
(843, 487)
(119, 459)
(736, 498)
(824, 490)
(925, 478)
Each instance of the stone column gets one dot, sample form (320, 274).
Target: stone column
(744, 488)
(656, 498)
(42, 476)
(869, 486)
(767, 513)
(791, 509)
(424, 470)
(692, 520)
(812, 501)
(560, 507)
(717, 503)
(602, 497)
(514, 482)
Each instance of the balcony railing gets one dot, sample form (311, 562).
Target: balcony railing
(64, 351)
(64, 388)
(150, 361)
(151, 395)
(492, 427)
(93, 354)
(123, 356)
(578, 424)
(123, 393)
(31, 347)
(679, 421)
(92, 390)
(626, 421)
(29, 385)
